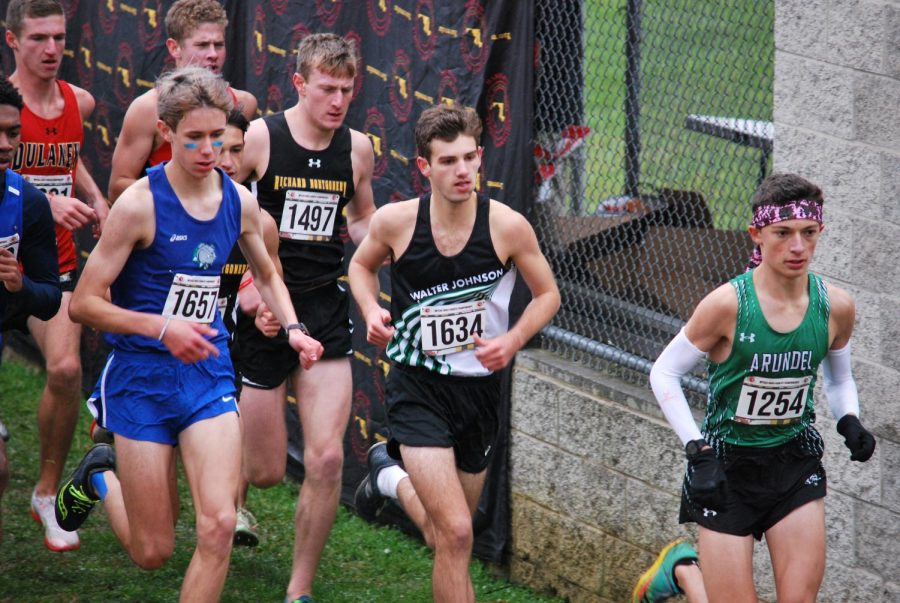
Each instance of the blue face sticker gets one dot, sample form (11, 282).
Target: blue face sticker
(190, 145)
(217, 144)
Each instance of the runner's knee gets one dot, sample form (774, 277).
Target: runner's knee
(324, 464)
(153, 554)
(64, 373)
(215, 530)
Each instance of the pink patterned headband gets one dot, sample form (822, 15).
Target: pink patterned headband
(764, 215)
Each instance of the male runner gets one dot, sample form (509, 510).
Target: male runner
(756, 468)
(310, 169)
(170, 380)
(196, 36)
(48, 156)
(454, 258)
(26, 239)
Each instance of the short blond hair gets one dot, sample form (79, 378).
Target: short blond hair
(183, 90)
(187, 15)
(328, 52)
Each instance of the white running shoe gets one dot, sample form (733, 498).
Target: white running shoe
(245, 530)
(55, 538)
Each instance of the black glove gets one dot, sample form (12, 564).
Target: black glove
(857, 438)
(706, 481)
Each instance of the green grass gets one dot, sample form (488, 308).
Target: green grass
(713, 57)
(361, 563)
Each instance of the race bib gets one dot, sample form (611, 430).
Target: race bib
(308, 216)
(11, 244)
(451, 328)
(192, 298)
(769, 401)
(57, 184)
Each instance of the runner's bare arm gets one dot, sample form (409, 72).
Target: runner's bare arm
(515, 239)
(362, 206)
(266, 279)
(134, 145)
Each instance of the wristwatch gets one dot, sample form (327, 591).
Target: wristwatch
(692, 448)
(297, 325)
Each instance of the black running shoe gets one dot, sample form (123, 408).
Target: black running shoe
(75, 499)
(368, 500)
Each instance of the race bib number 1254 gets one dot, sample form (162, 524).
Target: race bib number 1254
(771, 401)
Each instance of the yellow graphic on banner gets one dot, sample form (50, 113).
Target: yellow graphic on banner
(376, 143)
(447, 30)
(502, 36)
(426, 23)
(279, 51)
(126, 76)
(86, 54)
(377, 72)
(501, 110)
(424, 97)
(399, 157)
(401, 85)
(126, 8)
(403, 13)
(151, 17)
(476, 36)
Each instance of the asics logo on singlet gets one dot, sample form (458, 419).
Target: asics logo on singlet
(315, 162)
(751, 337)
(177, 237)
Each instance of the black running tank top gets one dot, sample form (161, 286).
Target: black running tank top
(306, 192)
(438, 302)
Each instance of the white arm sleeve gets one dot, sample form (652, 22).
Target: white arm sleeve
(840, 388)
(676, 361)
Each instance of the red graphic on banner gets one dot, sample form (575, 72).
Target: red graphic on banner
(374, 129)
(102, 134)
(258, 44)
(108, 16)
(274, 100)
(328, 11)
(298, 32)
(150, 23)
(379, 15)
(400, 89)
(278, 6)
(473, 37)
(124, 75)
(496, 109)
(360, 429)
(360, 63)
(448, 88)
(425, 29)
(71, 9)
(84, 62)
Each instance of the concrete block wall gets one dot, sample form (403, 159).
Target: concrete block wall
(837, 122)
(596, 470)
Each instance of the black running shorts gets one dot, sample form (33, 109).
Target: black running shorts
(427, 409)
(266, 362)
(68, 280)
(764, 486)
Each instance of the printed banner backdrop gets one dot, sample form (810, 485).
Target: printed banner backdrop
(413, 54)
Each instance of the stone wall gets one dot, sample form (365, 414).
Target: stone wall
(595, 468)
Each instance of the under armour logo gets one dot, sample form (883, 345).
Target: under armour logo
(751, 337)
(315, 162)
(51, 131)
(709, 512)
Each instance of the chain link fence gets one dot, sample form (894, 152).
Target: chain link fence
(652, 130)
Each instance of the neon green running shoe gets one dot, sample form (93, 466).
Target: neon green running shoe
(658, 582)
(76, 498)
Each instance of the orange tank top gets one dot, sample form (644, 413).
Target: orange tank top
(48, 157)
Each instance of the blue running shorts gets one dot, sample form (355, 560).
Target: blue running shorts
(154, 397)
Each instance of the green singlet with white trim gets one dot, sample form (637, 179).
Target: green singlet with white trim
(762, 394)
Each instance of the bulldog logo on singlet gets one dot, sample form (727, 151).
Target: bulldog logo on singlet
(204, 255)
